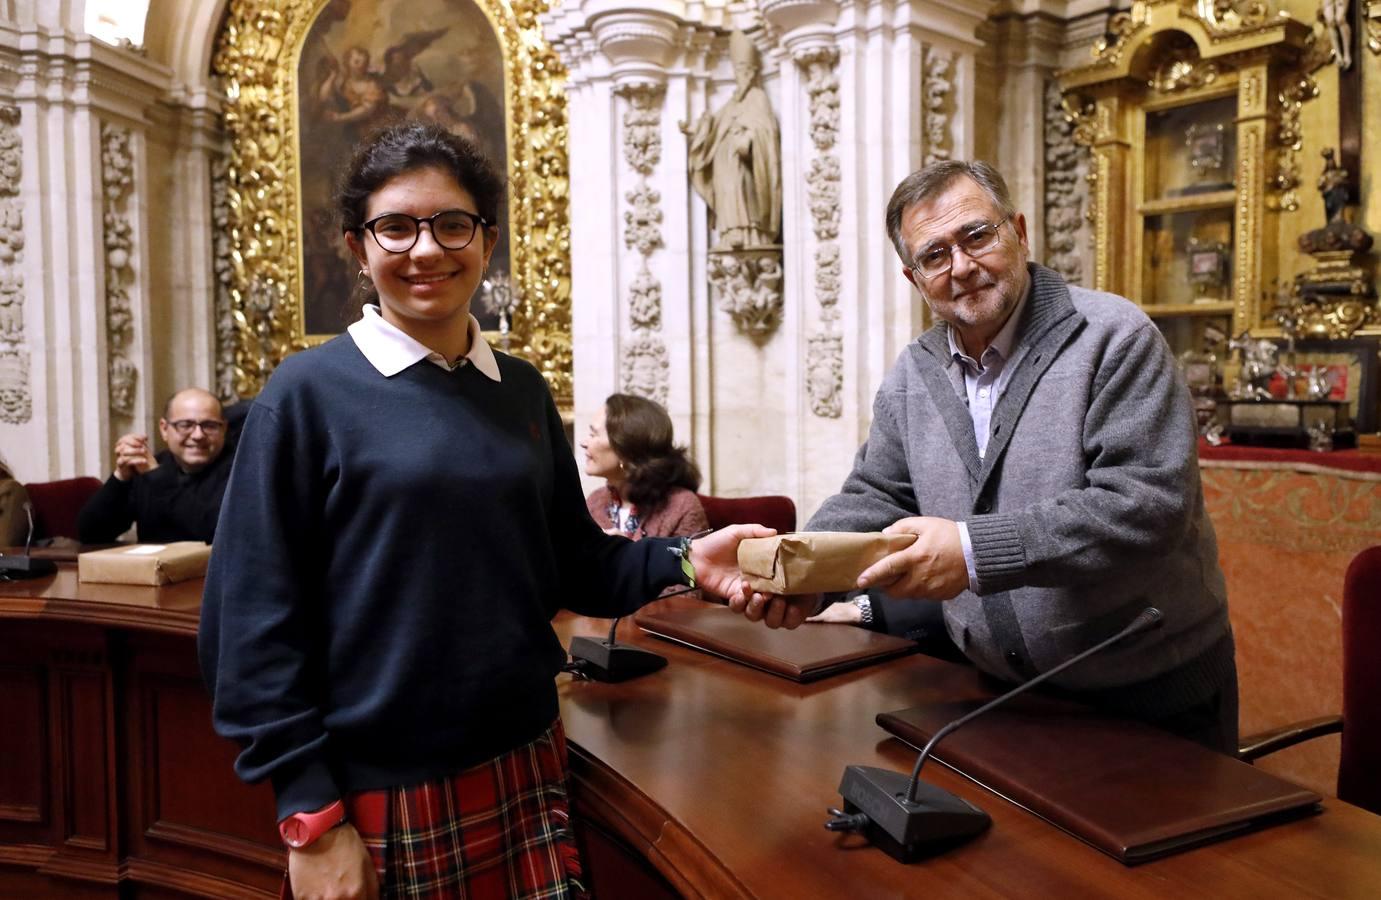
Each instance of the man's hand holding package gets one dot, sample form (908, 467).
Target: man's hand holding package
(932, 568)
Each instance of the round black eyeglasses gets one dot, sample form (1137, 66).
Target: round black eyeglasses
(453, 229)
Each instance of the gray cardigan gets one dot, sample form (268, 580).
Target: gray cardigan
(1086, 508)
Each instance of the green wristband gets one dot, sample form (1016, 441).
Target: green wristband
(687, 569)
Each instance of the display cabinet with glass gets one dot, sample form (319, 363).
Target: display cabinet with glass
(1177, 114)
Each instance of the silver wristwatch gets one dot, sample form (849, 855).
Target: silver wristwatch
(865, 609)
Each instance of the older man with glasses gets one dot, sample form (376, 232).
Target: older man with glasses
(174, 495)
(1040, 444)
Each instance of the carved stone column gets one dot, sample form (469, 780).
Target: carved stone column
(644, 369)
(16, 402)
(116, 244)
(638, 324)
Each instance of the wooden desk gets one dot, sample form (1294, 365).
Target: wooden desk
(718, 776)
(111, 779)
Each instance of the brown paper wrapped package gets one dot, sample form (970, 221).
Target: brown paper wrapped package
(809, 562)
(151, 564)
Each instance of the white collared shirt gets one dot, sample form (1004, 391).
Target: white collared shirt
(984, 381)
(391, 350)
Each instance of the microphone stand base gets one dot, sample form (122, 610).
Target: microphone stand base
(906, 831)
(603, 661)
(16, 567)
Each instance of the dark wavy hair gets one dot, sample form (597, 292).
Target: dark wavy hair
(639, 432)
(408, 147)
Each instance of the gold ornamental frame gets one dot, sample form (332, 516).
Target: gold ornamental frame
(256, 58)
(1238, 49)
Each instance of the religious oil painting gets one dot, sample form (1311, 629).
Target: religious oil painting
(370, 63)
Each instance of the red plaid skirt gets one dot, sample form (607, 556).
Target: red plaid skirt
(500, 829)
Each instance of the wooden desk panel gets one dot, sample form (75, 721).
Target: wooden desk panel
(113, 781)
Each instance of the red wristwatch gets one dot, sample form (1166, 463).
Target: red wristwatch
(302, 829)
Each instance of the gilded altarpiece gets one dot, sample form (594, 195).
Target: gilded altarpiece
(258, 59)
(1188, 110)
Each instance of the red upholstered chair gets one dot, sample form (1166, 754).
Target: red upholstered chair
(1359, 766)
(772, 511)
(57, 503)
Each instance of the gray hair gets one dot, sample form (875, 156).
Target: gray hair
(924, 184)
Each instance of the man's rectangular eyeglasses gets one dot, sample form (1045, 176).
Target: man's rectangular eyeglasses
(937, 259)
(209, 427)
(453, 229)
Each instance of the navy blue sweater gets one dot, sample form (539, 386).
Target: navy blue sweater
(388, 558)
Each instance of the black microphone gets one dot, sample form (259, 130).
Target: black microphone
(608, 660)
(14, 567)
(908, 818)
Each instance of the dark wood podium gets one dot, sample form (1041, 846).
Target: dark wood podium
(706, 779)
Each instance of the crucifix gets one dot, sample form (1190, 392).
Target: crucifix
(1346, 31)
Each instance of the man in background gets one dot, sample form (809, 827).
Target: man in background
(174, 495)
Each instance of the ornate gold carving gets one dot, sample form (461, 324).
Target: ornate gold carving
(254, 60)
(1371, 20)
(1297, 87)
(1182, 71)
(1081, 113)
(1102, 185)
(1107, 50)
(1247, 267)
(1234, 15)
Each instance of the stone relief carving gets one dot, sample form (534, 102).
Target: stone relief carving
(822, 92)
(117, 177)
(824, 370)
(646, 369)
(937, 90)
(645, 365)
(749, 286)
(822, 182)
(1065, 184)
(827, 280)
(642, 126)
(222, 267)
(825, 375)
(645, 301)
(735, 158)
(643, 223)
(15, 404)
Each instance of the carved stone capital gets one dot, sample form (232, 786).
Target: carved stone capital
(636, 39)
(748, 284)
(792, 17)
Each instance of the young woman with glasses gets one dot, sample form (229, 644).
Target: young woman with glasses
(404, 519)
